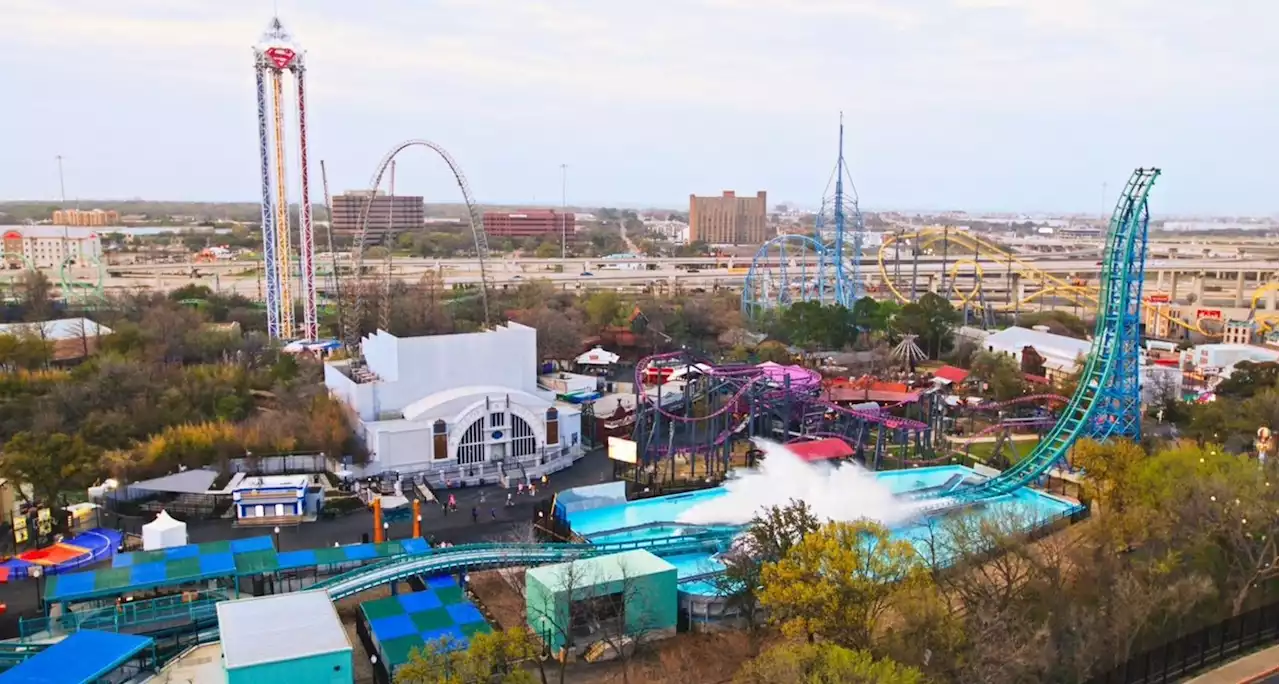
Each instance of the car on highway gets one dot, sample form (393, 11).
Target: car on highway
(586, 274)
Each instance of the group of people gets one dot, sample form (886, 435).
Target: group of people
(451, 505)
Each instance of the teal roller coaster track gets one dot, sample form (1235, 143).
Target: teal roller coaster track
(1106, 402)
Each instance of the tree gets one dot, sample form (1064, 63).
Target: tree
(838, 582)
(560, 333)
(931, 319)
(37, 295)
(1000, 373)
(490, 658)
(546, 250)
(823, 664)
(1249, 378)
(603, 308)
(769, 536)
(50, 463)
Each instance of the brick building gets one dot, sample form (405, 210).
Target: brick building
(89, 217)
(728, 219)
(523, 224)
(396, 213)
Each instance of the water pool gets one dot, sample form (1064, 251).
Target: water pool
(1038, 508)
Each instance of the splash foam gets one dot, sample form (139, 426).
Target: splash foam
(846, 492)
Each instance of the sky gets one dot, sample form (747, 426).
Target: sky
(976, 105)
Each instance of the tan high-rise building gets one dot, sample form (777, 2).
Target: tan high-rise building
(91, 217)
(728, 219)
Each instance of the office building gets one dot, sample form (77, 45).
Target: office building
(394, 213)
(728, 219)
(525, 224)
(90, 217)
(49, 246)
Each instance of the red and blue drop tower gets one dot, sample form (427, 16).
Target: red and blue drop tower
(276, 55)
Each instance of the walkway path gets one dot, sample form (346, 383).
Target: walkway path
(1250, 669)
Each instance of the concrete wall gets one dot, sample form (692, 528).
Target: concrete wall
(415, 367)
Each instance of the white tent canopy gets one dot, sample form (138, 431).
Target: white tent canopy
(598, 356)
(164, 532)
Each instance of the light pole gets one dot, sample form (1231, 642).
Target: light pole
(277, 532)
(36, 571)
(564, 224)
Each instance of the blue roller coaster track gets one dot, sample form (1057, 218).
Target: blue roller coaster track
(836, 242)
(1106, 402)
(468, 557)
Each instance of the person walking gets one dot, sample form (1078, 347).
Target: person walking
(475, 514)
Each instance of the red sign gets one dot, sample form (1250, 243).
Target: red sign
(281, 57)
(1214, 314)
(1158, 298)
(13, 235)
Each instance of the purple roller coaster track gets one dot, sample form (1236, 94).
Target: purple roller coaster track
(695, 428)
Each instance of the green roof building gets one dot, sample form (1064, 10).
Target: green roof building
(629, 595)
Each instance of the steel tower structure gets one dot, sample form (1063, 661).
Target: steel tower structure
(837, 242)
(276, 54)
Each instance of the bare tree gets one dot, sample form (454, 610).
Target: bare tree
(620, 613)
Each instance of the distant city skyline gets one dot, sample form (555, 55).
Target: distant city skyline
(984, 106)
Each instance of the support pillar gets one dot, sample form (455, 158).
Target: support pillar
(417, 518)
(1173, 287)
(1239, 299)
(1197, 288)
(378, 536)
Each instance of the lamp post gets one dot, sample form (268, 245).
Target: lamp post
(277, 533)
(386, 531)
(36, 572)
(564, 224)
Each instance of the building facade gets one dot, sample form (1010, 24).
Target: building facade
(49, 246)
(86, 217)
(271, 498)
(729, 219)
(394, 214)
(525, 224)
(460, 408)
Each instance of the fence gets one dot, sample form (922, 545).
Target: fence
(1178, 659)
(283, 464)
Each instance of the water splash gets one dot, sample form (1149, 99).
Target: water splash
(845, 492)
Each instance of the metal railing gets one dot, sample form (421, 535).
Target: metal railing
(130, 616)
(1175, 660)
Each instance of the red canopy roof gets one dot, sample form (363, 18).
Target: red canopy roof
(951, 374)
(828, 449)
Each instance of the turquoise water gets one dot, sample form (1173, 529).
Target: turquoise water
(1036, 507)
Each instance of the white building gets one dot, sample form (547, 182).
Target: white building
(1061, 354)
(1221, 359)
(49, 246)
(458, 407)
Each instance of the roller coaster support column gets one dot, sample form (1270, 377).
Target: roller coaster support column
(1119, 412)
(378, 536)
(417, 518)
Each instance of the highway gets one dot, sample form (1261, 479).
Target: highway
(651, 267)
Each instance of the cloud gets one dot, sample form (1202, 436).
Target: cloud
(685, 80)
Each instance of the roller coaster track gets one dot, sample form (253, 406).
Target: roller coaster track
(468, 557)
(971, 244)
(1104, 403)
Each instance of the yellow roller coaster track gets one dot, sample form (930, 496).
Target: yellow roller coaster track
(1051, 284)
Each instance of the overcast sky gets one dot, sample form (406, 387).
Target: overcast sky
(1019, 105)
